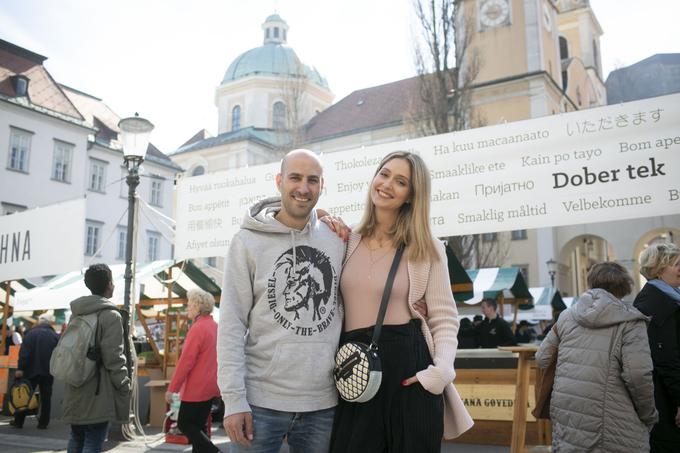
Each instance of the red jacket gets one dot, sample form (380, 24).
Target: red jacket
(196, 375)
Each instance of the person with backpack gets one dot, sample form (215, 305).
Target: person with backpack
(104, 395)
(34, 359)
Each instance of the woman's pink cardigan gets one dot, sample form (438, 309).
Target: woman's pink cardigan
(430, 280)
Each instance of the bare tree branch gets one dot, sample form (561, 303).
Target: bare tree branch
(447, 67)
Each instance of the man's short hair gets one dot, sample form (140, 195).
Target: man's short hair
(611, 277)
(46, 318)
(491, 303)
(97, 278)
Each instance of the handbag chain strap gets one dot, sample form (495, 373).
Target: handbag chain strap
(385, 298)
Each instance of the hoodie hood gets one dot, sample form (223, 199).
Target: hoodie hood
(598, 308)
(260, 217)
(90, 304)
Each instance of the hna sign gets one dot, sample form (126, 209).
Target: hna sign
(15, 247)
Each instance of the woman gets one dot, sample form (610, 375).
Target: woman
(196, 375)
(409, 412)
(602, 399)
(660, 299)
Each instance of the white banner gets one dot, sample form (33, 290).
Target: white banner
(609, 163)
(42, 241)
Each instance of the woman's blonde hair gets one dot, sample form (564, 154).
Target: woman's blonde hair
(203, 300)
(657, 257)
(412, 227)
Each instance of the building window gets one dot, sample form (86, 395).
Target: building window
(153, 246)
(97, 180)
(156, 192)
(19, 148)
(236, 118)
(121, 244)
(123, 182)
(198, 171)
(61, 164)
(279, 115)
(266, 33)
(518, 235)
(211, 261)
(488, 237)
(11, 208)
(276, 32)
(92, 237)
(564, 48)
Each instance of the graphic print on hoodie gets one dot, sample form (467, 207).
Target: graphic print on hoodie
(305, 277)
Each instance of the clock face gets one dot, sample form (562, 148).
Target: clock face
(494, 13)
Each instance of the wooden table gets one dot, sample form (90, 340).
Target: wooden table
(519, 423)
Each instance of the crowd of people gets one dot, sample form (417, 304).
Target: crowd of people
(296, 286)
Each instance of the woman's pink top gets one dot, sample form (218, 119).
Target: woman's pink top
(362, 284)
(196, 375)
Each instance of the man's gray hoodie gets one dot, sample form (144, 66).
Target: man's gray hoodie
(280, 319)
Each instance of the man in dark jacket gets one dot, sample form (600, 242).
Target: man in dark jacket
(494, 331)
(105, 397)
(34, 365)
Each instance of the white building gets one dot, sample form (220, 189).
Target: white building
(58, 144)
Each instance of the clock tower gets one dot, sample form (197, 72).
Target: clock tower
(524, 71)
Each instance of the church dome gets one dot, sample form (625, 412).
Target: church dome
(273, 58)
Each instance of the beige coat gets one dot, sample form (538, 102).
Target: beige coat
(603, 396)
(431, 281)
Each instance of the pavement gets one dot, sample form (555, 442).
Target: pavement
(55, 439)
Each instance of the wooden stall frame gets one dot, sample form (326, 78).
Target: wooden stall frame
(519, 423)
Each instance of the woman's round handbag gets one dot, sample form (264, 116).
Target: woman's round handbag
(358, 372)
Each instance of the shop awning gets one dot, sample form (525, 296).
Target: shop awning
(150, 278)
(461, 284)
(490, 283)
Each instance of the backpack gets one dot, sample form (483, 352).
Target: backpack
(22, 398)
(77, 357)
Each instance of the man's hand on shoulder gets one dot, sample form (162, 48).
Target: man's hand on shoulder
(239, 427)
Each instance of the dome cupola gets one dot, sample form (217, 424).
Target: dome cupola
(275, 30)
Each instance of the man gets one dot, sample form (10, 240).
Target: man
(494, 331)
(279, 318)
(105, 397)
(34, 365)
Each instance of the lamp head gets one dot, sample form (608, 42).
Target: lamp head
(135, 133)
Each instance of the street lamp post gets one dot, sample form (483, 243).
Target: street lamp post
(552, 270)
(134, 134)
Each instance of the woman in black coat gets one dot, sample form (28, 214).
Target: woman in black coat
(660, 299)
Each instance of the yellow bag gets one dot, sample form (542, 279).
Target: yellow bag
(22, 398)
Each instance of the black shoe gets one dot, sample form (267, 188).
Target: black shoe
(14, 424)
(42, 426)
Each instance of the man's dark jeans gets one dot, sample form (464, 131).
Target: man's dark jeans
(87, 438)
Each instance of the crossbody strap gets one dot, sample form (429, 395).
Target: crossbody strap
(386, 297)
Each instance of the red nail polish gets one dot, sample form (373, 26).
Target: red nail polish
(404, 382)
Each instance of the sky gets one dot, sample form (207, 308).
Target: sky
(164, 58)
